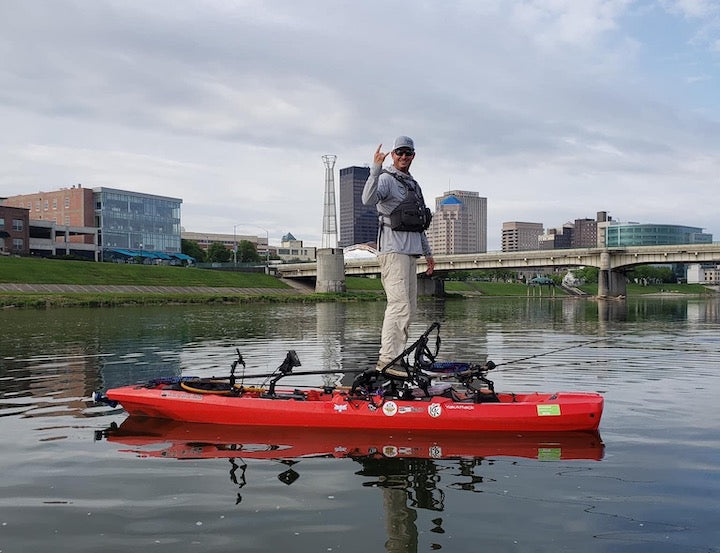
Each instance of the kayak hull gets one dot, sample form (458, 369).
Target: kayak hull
(531, 412)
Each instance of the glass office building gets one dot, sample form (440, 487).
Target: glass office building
(136, 221)
(358, 222)
(635, 234)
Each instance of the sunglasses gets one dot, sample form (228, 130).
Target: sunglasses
(404, 152)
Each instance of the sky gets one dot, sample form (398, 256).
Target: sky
(553, 110)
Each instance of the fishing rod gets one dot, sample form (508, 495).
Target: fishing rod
(550, 352)
(291, 360)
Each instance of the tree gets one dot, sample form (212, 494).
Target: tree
(587, 274)
(217, 253)
(651, 274)
(247, 253)
(193, 249)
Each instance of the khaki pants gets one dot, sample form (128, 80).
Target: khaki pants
(399, 279)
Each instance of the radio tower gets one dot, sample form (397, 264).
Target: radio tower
(329, 232)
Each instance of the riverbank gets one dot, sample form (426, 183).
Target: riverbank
(43, 283)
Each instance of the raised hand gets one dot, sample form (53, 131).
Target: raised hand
(379, 157)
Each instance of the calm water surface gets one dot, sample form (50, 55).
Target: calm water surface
(71, 481)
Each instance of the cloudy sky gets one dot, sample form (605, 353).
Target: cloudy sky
(551, 109)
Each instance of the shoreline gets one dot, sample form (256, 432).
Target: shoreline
(47, 296)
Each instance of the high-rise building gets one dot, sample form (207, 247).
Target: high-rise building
(459, 224)
(521, 236)
(584, 234)
(358, 222)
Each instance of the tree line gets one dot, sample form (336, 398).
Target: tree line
(218, 253)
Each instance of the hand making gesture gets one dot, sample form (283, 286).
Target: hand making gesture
(379, 156)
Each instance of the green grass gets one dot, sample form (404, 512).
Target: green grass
(638, 290)
(41, 301)
(500, 288)
(26, 270)
(363, 284)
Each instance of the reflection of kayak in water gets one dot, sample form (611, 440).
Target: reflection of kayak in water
(172, 439)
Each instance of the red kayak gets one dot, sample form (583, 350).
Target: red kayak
(317, 408)
(408, 394)
(180, 440)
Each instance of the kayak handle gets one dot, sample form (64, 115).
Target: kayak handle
(99, 397)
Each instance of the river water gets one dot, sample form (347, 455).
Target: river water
(72, 481)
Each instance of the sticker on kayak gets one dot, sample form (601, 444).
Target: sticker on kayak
(552, 410)
(390, 451)
(434, 410)
(549, 454)
(390, 408)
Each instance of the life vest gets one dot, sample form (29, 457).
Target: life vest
(411, 214)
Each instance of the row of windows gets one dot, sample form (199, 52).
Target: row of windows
(17, 224)
(39, 204)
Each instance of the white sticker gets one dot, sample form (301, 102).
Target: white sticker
(434, 410)
(390, 408)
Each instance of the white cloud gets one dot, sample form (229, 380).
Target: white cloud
(553, 109)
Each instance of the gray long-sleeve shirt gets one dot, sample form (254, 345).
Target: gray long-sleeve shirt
(386, 193)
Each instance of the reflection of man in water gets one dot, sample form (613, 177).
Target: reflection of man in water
(405, 482)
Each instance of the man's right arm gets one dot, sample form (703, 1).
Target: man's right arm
(370, 191)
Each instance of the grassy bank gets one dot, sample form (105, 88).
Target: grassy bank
(499, 289)
(49, 271)
(651, 289)
(28, 270)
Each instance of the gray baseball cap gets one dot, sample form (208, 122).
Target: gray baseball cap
(404, 142)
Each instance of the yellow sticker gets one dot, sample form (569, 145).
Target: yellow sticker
(550, 410)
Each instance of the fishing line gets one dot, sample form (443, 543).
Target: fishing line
(550, 352)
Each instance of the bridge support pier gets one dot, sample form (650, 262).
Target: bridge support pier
(610, 283)
(330, 270)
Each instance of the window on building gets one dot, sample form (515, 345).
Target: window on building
(17, 224)
(17, 245)
(2, 222)
(47, 205)
(37, 205)
(54, 203)
(67, 203)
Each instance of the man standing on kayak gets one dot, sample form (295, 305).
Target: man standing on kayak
(403, 219)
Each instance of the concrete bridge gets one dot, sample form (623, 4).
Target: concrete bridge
(613, 263)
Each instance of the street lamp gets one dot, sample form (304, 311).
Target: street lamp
(267, 241)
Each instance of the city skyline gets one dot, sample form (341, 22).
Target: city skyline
(545, 108)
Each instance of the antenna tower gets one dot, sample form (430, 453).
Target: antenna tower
(329, 232)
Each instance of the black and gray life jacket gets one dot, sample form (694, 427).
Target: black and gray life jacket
(411, 214)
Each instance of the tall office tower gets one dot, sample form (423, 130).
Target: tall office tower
(358, 222)
(518, 236)
(584, 234)
(459, 224)
(329, 232)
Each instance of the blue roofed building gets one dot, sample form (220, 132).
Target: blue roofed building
(459, 223)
